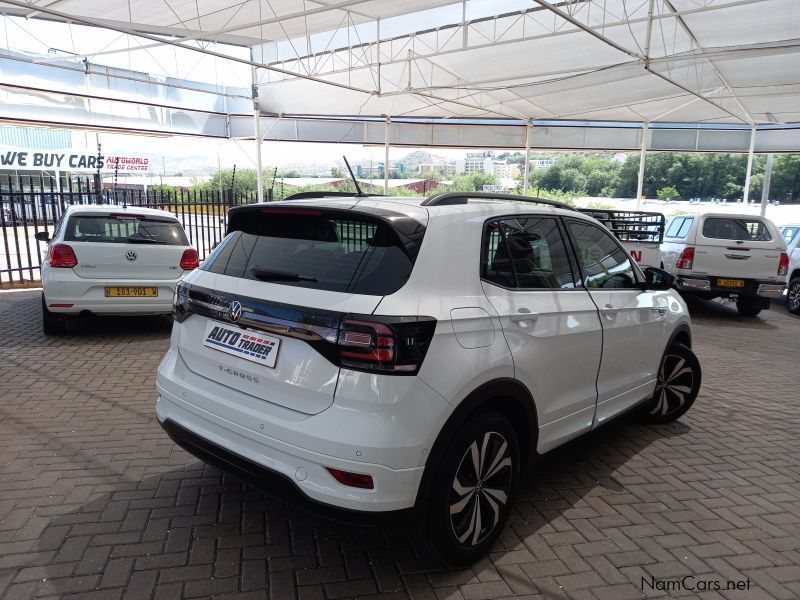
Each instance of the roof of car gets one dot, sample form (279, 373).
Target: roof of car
(415, 207)
(118, 210)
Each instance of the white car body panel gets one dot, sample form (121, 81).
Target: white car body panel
(102, 265)
(307, 413)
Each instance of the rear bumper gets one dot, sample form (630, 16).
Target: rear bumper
(708, 285)
(78, 295)
(278, 485)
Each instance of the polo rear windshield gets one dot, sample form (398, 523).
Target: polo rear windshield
(124, 229)
(731, 228)
(333, 250)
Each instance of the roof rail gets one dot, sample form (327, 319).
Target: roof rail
(452, 198)
(321, 194)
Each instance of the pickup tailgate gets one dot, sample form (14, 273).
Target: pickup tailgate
(737, 248)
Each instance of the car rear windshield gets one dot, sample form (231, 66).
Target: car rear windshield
(124, 229)
(729, 228)
(326, 250)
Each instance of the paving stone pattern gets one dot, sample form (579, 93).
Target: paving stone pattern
(96, 502)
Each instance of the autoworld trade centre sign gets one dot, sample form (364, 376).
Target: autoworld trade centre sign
(71, 160)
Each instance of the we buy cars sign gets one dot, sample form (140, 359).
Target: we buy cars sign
(71, 160)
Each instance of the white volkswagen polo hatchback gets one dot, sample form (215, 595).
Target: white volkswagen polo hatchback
(112, 260)
(406, 359)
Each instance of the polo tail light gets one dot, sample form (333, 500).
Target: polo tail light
(190, 259)
(390, 345)
(63, 256)
(783, 265)
(686, 259)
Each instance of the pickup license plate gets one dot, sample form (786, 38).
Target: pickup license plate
(731, 283)
(131, 292)
(244, 343)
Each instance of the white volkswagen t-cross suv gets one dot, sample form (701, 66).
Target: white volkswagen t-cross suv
(401, 359)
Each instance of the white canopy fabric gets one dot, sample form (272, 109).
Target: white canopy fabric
(693, 61)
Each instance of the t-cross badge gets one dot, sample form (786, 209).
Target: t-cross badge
(403, 360)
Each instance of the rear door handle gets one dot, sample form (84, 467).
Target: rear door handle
(524, 314)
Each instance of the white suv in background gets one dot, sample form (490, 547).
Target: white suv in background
(112, 260)
(405, 360)
(742, 257)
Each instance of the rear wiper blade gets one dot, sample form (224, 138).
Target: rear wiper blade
(144, 241)
(272, 275)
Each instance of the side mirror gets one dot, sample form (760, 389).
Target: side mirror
(657, 279)
(42, 236)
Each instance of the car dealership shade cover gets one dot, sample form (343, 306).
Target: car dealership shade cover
(684, 61)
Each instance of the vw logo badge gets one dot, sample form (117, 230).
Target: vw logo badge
(235, 311)
(131, 255)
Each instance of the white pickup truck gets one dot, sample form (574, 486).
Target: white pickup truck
(641, 233)
(791, 235)
(741, 257)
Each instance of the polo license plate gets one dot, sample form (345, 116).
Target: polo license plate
(244, 343)
(731, 283)
(131, 292)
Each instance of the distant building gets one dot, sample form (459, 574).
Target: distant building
(445, 169)
(505, 170)
(475, 162)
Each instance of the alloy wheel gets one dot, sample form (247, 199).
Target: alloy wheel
(675, 383)
(480, 488)
(793, 298)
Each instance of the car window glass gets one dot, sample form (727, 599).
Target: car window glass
(314, 250)
(728, 228)
(526, 253)
(683, 231)
(674, 226)
(124, 229)
(789, 233)
(605, 264)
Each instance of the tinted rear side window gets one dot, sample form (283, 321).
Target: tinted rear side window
(728, 228)
(124, 229)
(316, 249)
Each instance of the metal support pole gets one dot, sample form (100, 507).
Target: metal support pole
(257, 133)
(526, 172)
(746, 195)
(386, 158)
(767, 180)
(640, 179)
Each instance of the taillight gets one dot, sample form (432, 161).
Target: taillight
(356, 480)
(395, 345)
(686, 259)
(783, 264)
(62, 256)
(179, 299)
(190, 259)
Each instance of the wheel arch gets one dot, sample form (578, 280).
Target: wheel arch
(681, 335)
(507, 396)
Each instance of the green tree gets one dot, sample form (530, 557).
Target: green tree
(667, 193)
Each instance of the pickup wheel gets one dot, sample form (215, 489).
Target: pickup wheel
(747, 307)
(473, 489)
(793, 296)
(52, 324)
(677, 386)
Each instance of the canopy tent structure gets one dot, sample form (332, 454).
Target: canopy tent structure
(720, 75)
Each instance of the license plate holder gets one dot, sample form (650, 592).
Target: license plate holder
(131, 291)
(730, 283)
(247, 344)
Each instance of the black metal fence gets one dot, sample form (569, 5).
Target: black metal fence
(25, 212)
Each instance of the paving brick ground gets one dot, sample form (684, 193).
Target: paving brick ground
(96, 502)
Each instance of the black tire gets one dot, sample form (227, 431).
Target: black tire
(52, 324)
(677, 386)
(793, 296)
(747, 306)
(463, 536)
